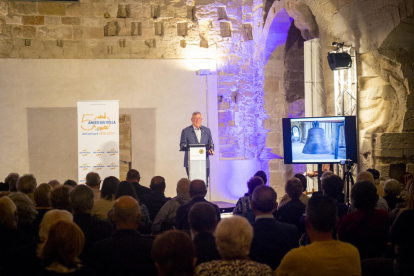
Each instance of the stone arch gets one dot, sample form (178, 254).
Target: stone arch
(282, 51)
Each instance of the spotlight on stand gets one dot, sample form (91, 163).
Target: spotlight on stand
(340, 59)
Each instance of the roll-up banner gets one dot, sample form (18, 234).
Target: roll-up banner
(98, 139)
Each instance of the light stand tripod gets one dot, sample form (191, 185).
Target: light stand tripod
(347, 169)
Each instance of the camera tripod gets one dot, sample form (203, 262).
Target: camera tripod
(347, 169)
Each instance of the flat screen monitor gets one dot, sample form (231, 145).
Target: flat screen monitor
(319, 140)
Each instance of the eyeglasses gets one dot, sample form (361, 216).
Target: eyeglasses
(197, 119)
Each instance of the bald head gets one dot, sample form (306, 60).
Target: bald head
(127, 213)
(8, 214)
(51, 217)
(157, 184)
(198, 188)
(264, 199)
(365, 176)
(183, 186)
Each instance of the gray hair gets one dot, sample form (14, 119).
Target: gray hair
(26, 210)
(234, 236)
(11, 176)
(51, 217)
(365, 176)
(81, 199)
(26, 184)
(93, 179)
(392, 187)
(195, 113)
(8, 213)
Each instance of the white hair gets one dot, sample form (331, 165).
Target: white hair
(234, 236)
(51, 217)
(195, 113)
(392, 187)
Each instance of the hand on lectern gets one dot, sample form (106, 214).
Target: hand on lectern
(211, 151)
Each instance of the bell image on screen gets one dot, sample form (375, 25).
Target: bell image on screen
(319, 140)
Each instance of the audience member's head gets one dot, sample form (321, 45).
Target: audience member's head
(253, 183)
(365, 176)
(364, 195)
(81, 199)
(321, 214)
(8, 214)
(109, 186)
(198, 188)
(376, 174)
(326, 174)
(41, 195)
(133, 176)
(5, 193)
(64, 244)
(126, 213)
(262, 175)
(202, 218)
(294, 188)
(392, 187)
(49, 218)
(11, 180)
(125, 188)
(173, 253)
(332, 186)
(157, 184)
(54, 183)
(264, 200)
(26, 210)
(303, 180)
(59, 198)
(93, 180)
(26, 184)
(234, 236)
(70, 183)
(183, 187)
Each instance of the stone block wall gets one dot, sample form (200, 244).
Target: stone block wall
(125, 146)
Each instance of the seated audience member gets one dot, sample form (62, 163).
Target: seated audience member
(244, 204)
(400, 207)
(102, 206)
(71, 183)
(381, 202)
(134, 177)
(262, 175)
(54, 183)
(156, 199)
(203, 222)
(333, 186)
(324, 256)
(27, 184)
(126, 252)
(59, 198)
(392, 189)
(126, 189)
(376, 174)
(233, 238)
(293, 210)
(41, 197)
(166, 217)
(62, 249)
(82, 199)
(272, 239)
(198, 191)
(403, 228)
(10, 182)
(26, 212)
(93, 180)
(304, 198)
(11, 238)
(366, 228)
(48, 219)
(173, 254)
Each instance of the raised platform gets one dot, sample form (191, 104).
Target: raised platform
(225, 207)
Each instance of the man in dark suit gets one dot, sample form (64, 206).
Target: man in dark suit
(272, 239)
(198, 191)
(197, 134)
(156, 199)
(134, 177)
(126, 252)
